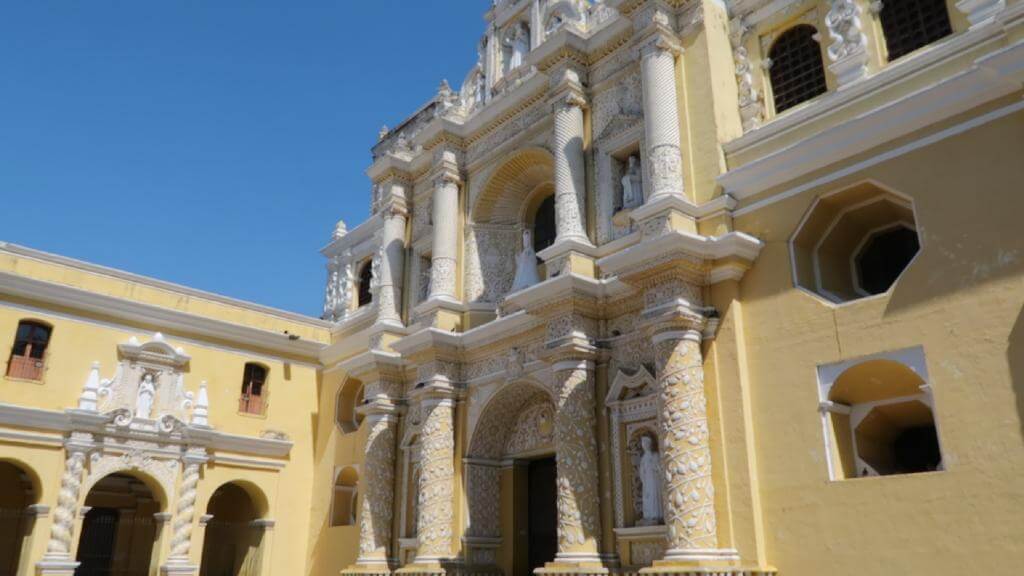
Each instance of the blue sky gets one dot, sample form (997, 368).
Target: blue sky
(210, 143)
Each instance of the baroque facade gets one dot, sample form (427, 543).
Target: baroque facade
(665, 286)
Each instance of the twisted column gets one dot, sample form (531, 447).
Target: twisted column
(437, 477)
(67, 502)
(579, 524)
(661, 118)
(445, 241)
(570, 186)
(181, 543)
(377, 502)
(688, 492)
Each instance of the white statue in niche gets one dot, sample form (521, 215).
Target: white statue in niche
(518, 43)
(144, 398)
(632, 184)
(650, 481)
(526, 265)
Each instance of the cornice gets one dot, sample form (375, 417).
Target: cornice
(680, 245)
(992, 76)
(39, 255)
(166, 319)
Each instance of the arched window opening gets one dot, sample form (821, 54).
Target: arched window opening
(797, 72)
(28, 355)
(879, 420)
(544, 231)
(912, 24)
(365, 292)
(884, 257)
(254, 383)
(120, 529)
(344, 505)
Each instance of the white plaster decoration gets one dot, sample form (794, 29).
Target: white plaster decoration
(445, 241)
(576, 458)
(392, 264)
(377, 505)
(340, 284)
(490, 256)
(661, 118)
(750, 101)
(632, 402)
(59, 545)
(533, 430)
(200, 414)
(980, 11)
(526, 265)
(436, 481)
(686, 457)
(516, 45)
(848, 50)
(570, 184)
(87, 401)
(181, 542)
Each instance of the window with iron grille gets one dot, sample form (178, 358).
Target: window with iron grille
(797, 72)
(365, 295)
(28, 354)
(254, 381)
(911, 24)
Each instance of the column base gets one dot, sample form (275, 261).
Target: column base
(704, 562)
(364, 567)
(569, 256)
(179, 569)
(574, 564)
(432, 567)
(441, 312)
(56, 565)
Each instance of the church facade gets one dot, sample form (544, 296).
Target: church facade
(675, 287)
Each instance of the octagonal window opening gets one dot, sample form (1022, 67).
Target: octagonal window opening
(882, 256)
(854, 243)
(878, 416)
(346, 413)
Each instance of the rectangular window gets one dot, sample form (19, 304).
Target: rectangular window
(29, 350)
(254, 381)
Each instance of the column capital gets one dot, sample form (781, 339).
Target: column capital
(674, 318)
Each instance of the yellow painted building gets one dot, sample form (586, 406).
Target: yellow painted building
(673, 287)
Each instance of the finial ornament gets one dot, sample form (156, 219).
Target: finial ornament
(383, 132)
(340, 229)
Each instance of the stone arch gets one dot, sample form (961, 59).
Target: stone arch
(235, 530)
(19, 490)
(487, 448)
(505, 194)
(157, 475)
(122, 519)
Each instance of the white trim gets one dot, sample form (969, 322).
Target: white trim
(39, 255)
(883, 157)
(133, 330)
(992, 76)
(149, 314)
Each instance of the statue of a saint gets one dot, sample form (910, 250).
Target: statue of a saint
(526, 265)
(144, 399)
(650, 482)
(518, 43)
(632, 184)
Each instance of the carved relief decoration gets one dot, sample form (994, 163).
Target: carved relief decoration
(533, 430)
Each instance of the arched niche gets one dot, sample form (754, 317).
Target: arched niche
(120, 524)
(19, 491)
(350, 397)
(235, 531)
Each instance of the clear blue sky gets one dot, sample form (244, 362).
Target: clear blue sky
(210, 143)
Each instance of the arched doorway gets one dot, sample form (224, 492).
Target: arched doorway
(517, 426)
(234, 540)
(119, 528)
(16, 495)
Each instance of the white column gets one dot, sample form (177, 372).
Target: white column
(688, 493)
(392, 263)
(661, 118)
(436, 481)
(579, 522)
(848, 50)
(181, 542)
(444, 251)
(570, 184)
(58, 558)
(377, 494)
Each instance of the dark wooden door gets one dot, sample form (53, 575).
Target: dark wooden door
(543, 512)
(96, 547)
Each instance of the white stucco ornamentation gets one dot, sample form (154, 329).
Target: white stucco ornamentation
(750, 101)
(576, 455)
(661, 118)
(59, 544)
(181, 543)
(436, 481)
(570, 186)
(848, 50)
(377, 506)
(685, 454)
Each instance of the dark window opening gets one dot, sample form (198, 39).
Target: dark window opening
(365, 280)
(916, 450)
(912, 24)
(884, 258)
(544, 231)
(30, 342)
(253, 380)
(797, 72)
